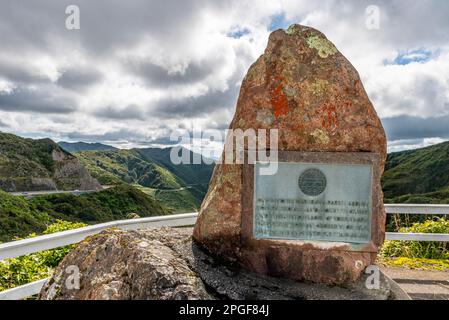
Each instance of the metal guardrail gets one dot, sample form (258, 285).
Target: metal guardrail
(432, 209)
(59, 239)
(421, 209)
(55, 240)
(438, 237)
(21, 292)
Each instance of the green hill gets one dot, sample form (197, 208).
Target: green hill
(196, 176)
(17, 219)
(73, 147)
(20, 217)
(179, 200)
(180, 187)
(114, 166)
(418, 176)
(29, 165)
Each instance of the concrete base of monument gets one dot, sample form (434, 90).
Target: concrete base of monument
(230, 281)
(306, 262)
(166, 264)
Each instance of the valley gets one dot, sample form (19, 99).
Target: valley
(144, 182)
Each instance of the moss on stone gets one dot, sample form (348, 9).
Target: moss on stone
(319, 87)
(290, 30)
(321, 136)
(324, 47)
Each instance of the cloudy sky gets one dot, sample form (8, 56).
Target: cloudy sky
(138, 69)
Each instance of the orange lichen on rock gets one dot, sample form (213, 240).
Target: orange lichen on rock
(328, 112)
(279, 100)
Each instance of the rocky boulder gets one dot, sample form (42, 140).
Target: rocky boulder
(165, 264)
(307, 90)
(127, 265)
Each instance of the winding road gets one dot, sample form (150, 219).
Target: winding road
(31, 194)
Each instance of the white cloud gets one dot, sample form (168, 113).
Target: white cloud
(410, 144)
(146, 67)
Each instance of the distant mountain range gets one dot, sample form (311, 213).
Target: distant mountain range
(413, 176)
(73, 147)
(31, 165)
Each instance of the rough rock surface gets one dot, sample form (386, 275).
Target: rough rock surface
(25, 170)
(165, 264)
(70, 174)
(304, 87)
(116, 265)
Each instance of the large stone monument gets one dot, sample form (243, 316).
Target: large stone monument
(320, 217)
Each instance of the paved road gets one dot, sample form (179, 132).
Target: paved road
(31, 194)
(421, 284)
(172, 190)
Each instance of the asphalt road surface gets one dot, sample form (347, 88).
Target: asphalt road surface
(421, 284)
(30, 194)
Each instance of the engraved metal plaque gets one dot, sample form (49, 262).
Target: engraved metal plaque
(314, 201)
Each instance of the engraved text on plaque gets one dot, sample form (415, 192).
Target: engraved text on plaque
(314, 201)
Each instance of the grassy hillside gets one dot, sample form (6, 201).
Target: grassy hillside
(437, 197)
(114, 166)
(178, 200)
(26, 157)
(20, 217)
(73, 147)
(181, 187)
(191, 174)
(17, 218)
(418, 176)
(27, 164)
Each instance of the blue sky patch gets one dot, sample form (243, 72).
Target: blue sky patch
(420, 56)
(237, 33)
(278, 21)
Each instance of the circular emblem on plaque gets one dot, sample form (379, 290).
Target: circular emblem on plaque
(312, 182)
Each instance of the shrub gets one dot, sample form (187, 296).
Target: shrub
(420, 249)
(17, 219)
(25, 269)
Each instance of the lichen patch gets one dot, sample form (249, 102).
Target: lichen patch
(290, 30)
(319, 87)
(265, 117)
(321, 136)
(324, 47)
